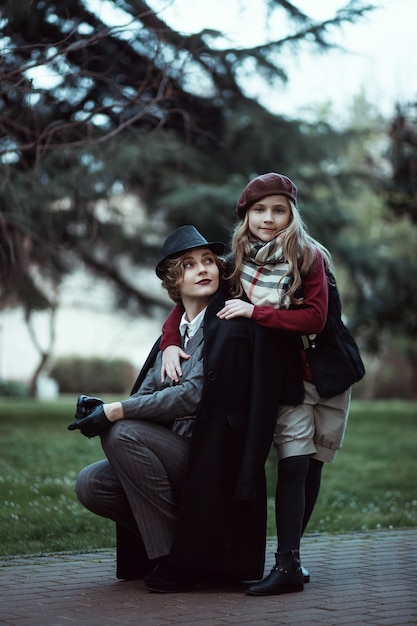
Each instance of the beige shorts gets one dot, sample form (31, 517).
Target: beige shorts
(316, 427)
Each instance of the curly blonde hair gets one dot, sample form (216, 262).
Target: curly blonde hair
(298, 247)
(174, 272)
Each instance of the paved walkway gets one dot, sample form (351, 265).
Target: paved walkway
(356, 579)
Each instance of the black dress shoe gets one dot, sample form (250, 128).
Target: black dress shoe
(164, 579)
(306, 574)
(285, 577)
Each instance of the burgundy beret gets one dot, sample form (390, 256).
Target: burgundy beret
(265, 185)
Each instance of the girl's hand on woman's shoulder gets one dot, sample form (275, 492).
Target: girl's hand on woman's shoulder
(236, 308)
(171, 363)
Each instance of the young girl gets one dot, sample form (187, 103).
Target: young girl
(280, 278)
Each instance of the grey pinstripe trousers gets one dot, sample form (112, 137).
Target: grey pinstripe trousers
(139, 484)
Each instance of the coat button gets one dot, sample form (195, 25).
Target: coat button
(211, 376)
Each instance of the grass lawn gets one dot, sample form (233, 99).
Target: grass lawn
(372, 484)
(39, 461)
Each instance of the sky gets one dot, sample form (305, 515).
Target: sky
(379, 60)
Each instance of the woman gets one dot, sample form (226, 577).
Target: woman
(193, 506)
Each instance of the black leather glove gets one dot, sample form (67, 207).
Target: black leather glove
(85, 404)
(95, 423)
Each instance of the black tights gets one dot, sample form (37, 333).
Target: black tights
(297, 491)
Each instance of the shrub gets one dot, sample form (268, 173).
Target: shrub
(93, 375)
(12, 389)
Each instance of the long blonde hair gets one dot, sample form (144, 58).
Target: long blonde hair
(298, 247)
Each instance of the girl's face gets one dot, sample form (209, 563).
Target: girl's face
(200, 279)
(269, 216)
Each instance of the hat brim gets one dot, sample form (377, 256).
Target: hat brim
(215, 246)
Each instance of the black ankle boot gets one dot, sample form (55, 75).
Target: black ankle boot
(168, 579)
(286, 576)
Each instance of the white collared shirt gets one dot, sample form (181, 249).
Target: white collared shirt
(188, 329)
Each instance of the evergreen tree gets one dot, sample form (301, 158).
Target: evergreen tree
(401, 189)
(116, 112)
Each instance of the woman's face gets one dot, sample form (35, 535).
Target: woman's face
(269, 216)
(200, 279)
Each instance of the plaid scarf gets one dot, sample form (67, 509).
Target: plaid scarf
(262, 275)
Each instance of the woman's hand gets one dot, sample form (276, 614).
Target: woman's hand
(236, 308)
(171, 365)
(97, 420)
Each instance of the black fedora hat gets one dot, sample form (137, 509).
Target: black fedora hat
(182, 239)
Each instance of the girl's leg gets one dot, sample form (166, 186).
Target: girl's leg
(290, 501)
(293, 439)
(312, 488)
(286, 576)
(330, 420)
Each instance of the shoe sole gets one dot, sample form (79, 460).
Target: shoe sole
(306, 574)
(277, 593)
(156, 589)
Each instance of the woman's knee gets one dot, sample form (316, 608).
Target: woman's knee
(83, 487)
(89, 483)
(123, 432)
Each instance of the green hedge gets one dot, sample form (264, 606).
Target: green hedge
(10, 389)
(93, 375)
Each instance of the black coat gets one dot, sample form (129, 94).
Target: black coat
(249, 372)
